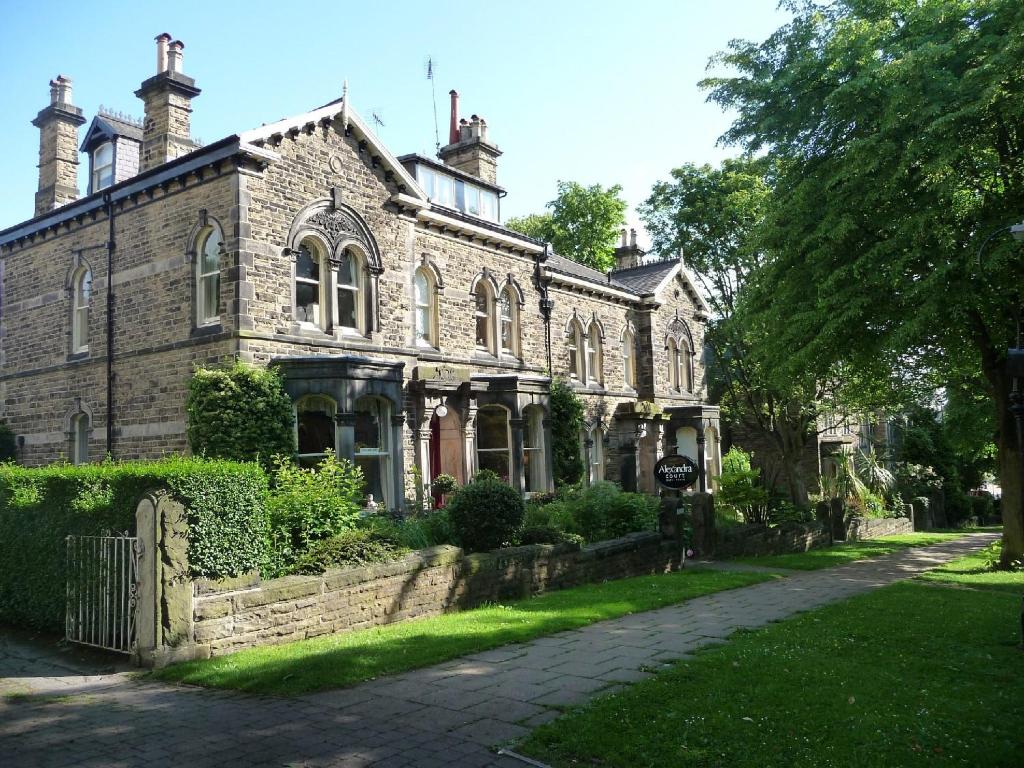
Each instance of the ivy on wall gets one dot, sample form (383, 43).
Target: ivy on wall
(566, 423)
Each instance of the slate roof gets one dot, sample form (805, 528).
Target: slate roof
(645, 278)
(105, 127)
(562, 265)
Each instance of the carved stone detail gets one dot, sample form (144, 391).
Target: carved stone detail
(335, 225)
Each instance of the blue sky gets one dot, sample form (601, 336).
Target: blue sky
(595, 92)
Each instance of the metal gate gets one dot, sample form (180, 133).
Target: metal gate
(102, 591)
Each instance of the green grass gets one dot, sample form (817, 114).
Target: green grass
(847, 552)
(909, 675)
(974, 571)
(338, 660)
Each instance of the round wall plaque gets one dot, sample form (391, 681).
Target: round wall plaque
(676, 472)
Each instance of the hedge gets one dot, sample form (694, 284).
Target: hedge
(39, 507)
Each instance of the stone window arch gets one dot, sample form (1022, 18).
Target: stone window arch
(679, 346)
(576, 349)
(628, 341)
(485, 293)
(81, 300)
(595, 352)
(311, 269)
(427, 285)
(78, 427)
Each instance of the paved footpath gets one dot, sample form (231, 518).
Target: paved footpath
(452, 714)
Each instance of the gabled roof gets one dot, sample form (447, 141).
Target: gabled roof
(106, 127)
(653, 277)
(565, 266)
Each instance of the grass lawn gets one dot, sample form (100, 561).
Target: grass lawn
(973, 571)
(338, 660)
(847, 552)
(910, 675)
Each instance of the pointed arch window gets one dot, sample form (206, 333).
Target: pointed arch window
(308, 299)
(349, 290)
(673, 365)
(685, 379)
(508, 313)
(596, 468)
(81, 298)
(482, 316)
(629, 359)
(425, 315)
(80, 429)
(594, 366)
(208, 277)
(577, 352)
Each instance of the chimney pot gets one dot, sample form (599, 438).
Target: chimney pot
(60, 90)
(632, 238)
(174, 56)
(622, 232)
(453, 124)
(161, 52)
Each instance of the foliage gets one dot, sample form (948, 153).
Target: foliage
(39, 507)
(598, 512)
(738, 489)
(566, 423)
(981, 570)
(548, 534)
(583, 224)
(846, 483)
(916, 480)
(444, 484)
(308, 505)
(878, 479)
(8, 443)
(348, 549)
(485, 514)
(895, 131)
(241, 412)
(746, 703)
(333, 661)
(426, 529)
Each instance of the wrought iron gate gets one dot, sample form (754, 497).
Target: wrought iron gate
(102, 591)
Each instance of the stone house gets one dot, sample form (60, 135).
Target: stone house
(412, 328)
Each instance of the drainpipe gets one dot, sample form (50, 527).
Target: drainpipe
(546, 303)
(108, 204)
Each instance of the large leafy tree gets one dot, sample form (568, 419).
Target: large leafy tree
(898, 126)
(582, 224)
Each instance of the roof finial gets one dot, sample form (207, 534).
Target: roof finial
(344, 105)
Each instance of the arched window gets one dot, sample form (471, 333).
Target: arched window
(508, 312)
(576, 350)
(596, 468)
(350, 293)
(208, 277)
(81, 296)
(594, 367)
(674, 369)
(314, 424)
(424, 317)
(493, 441)
(685, 382)
(308, 261)
(534, 465)
(80, 438)
(372, 446)
(102, 167)
(482, 314)
(629, 359)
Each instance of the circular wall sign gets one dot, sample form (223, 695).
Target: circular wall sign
(676, 472)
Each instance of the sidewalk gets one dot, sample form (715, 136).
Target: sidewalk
(451, 714)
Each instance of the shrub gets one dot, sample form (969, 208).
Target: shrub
(485, 514)
(443, 484)
(546, 534)
(240, 413)
(416, 532)
(738, 491)
(348, 549)
(308, 505)
(605, 511)
(566, 422)
(227, 517)
(8, 443)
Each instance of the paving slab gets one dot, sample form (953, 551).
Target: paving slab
(67, 708)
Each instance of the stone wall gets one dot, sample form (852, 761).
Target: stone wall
(757, 540)
(871, 528)
(424, 583)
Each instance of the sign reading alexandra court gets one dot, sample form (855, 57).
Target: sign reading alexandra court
(676, 472)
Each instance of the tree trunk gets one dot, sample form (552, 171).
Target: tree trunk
(1010, 476)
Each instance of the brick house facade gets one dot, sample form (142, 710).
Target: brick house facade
(413, 329)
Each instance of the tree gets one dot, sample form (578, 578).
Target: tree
(566, 423)
(898, 131)
(583, 224)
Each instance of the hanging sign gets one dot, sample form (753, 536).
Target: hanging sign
(676, 472)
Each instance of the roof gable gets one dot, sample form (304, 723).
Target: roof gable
(106, 127)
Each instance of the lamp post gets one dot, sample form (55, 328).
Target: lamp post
(1015, 372)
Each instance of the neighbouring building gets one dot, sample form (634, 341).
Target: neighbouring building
(412, 328)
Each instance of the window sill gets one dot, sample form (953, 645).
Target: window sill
(484, 355)
(209, 329)
(80, 355)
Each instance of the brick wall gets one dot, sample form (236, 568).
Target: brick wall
(424, 583)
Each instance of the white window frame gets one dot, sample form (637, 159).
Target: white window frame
(318, 256)
(80, 302)
(594, 364)
(382, 452)
(508, 300)
(534, 461)
(357, 269)
(208, 283)
(507, 450)
(424, 309)
(673, 366)
(596, 469)
(487, 314)
(98, 170)
(577, 353)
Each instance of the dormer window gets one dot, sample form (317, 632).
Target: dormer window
(102, 167)
(461, 195)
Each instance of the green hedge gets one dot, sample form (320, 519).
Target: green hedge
(226, 503)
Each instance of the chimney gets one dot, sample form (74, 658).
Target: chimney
(469, 149)
(628, 255)
(58, 148)
(167, 99)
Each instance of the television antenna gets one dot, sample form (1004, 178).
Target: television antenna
(431, 67)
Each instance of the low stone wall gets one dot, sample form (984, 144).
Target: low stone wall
(756, 540)
(871, 528)
(423, 583)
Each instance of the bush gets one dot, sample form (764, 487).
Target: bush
(309, 505)
(546, 534)
(444, 484)
(8, 443)
(227, 516)
(485, 514)
(738, 491)
(566, 423)
(347, 550)
(605, 511)
(240, 413)
(429, 529)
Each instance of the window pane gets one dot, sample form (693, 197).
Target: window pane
(369, 431)
(346, 269)
(306, 265)
(472, 200)
(488, 205)
(426, 178)
(423, 323)
(316, 431)
(307, 302)
(374, 472)
(446, 191)
(496, 461)
(82, 327)
(211, 253)
(211, 296)
(85, 288)
(347, 308)
(492, 428)
(420, 287)
(573, 368)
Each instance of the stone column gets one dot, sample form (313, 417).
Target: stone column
(516, 480)
(397, 462)
(702, 473)
(549, 459)
(588, 446)
(469, 438)
(345, 436)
